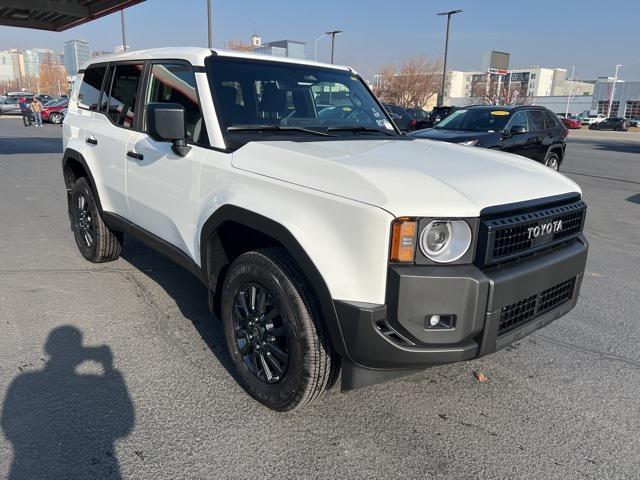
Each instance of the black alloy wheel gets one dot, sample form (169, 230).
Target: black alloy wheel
(95, 240)
(84, 224)
(260, 334)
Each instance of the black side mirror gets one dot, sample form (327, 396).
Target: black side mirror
(517, 130)
(165, 123)
(395, 116)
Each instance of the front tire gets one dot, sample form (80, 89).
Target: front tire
(275, 334)
(95, 240)
(55, 118)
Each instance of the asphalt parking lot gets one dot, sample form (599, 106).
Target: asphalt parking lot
(563, 403)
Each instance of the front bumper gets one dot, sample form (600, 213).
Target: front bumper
(383, 338)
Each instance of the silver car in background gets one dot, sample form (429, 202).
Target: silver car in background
(10, 106)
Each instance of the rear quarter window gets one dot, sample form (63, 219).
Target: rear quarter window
(89, 93)
(537, 120)
(551, 119)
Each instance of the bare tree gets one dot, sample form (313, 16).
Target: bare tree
(53, 79)
(490, 93)
(413, 84)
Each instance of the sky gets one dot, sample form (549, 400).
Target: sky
(549, 33)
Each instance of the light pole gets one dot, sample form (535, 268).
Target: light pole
(333, 42)
(315, 52)
(209, 26)
(613, 90)
(124, 34)
(569, 96)
(446, 51)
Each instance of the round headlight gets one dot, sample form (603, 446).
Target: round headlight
(445, 241)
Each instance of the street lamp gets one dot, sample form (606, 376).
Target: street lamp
(315, 52)
(124, 33)
(446, 51)
(613, 90)
(333, 43)
(209, 27)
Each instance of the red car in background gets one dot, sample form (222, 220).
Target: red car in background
(51, 112)
(571, 122)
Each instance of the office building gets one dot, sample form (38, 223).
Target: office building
(76, 53)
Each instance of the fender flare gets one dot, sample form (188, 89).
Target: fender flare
(556, 146)
(71, 154)
(273, 229)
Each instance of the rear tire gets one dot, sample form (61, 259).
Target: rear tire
(553, 161)
(55, 118)
(95, 240)
(275, 334)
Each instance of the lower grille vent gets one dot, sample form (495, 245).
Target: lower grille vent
(521, 312)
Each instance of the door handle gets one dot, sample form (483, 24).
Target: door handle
(137, 156)
(91, 141)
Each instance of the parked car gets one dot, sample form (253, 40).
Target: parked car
(51, 112)
(617, 124)
(421, 116)
(634, 122)
(45, 98)
(571, 122)
(591, 119)
(438, 114)
(321, 243)
(401, 116)
(10, 106)
(532, 132)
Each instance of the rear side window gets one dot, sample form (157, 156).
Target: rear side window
(536, 120)
(176, 83)
(89, 93)
(551, 119)
(124, 92)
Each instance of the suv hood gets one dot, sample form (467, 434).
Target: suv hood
(406, 177)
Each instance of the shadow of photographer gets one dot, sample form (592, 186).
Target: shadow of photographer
(61, 423)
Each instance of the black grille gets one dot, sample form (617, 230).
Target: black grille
(509, 236)
(517, 314)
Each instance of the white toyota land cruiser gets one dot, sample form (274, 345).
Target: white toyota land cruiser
(325, 238)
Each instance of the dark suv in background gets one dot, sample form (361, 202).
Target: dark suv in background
(439, 113)
(612, 123)
(401, 116)
(533, 132)
(422, 117)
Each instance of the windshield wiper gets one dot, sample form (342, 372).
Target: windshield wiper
(359, 128)
(275, 128)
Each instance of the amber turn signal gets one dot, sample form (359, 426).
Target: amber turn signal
(403, 240)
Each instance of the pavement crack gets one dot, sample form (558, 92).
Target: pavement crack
(577, 348)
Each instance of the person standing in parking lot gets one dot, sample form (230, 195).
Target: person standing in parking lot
(36, 108)
(26, 112)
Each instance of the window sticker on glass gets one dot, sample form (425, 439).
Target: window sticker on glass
(499, 112)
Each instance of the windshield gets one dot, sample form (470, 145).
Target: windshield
(476, 120)
(296, 99)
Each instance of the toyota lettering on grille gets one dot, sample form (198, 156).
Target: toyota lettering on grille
(544, 229)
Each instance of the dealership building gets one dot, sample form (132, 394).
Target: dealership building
(626, 98)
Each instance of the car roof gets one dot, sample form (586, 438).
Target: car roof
(197, 55)
(508, 108)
